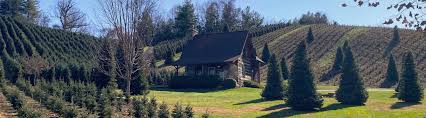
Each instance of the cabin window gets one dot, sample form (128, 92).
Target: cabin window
(212, 71)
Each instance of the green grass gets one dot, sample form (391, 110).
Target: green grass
(246, 103)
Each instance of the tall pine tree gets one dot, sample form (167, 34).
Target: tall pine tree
(302, 93)
(391, 74)
(284, 69)
(337, 66)
(185, 20)
(274, 89)
(410, 89)
(212, 18)
(351, 89)
(310, 37)
(266, 54)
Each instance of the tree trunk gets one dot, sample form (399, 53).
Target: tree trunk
(128, 88)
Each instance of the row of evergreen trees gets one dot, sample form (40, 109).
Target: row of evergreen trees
(301, 92)
(55, 46)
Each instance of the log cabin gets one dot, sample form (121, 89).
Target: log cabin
(228, 55)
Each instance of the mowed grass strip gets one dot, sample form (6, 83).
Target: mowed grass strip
(247, 103)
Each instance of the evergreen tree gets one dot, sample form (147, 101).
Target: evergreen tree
(284, 69)
(392, 76)
(410, 89)
(274, 84)
(140, 85)
(212, 18)
(185, 20)
(31, 10)
(230, 15)
(266, 54)
(338, 61)
(394, 42)
(163, 111)
(105, 108)
(12, 68)
(310, 37)
(178, 111)
(188, 112)
(351, 89)
(152, 108)
(107, 63)
(302, 93)
(139, 108)
(25, 10)
(250, 19)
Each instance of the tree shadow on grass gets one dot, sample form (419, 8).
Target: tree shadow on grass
(284, 113)
(400, 105)
(276, 107)
(288, 112)
(252, 101)
(187, 90)
(394, 95)
(336, 106)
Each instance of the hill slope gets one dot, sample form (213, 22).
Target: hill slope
(368, 44)
(56, 46)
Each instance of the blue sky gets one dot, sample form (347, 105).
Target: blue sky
(272, 10)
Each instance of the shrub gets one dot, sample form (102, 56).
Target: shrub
(251, 84)
(184, 82)
(229, 83)
(69, 113)
(26, 112)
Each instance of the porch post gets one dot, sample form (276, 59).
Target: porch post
(177, 70)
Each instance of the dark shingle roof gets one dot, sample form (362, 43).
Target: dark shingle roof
(213, 48)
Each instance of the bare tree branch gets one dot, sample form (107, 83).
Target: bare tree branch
(71, 18)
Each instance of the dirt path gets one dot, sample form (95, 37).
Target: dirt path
(6, 110)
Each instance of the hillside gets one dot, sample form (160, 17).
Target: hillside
(368, 45)
(56, 46)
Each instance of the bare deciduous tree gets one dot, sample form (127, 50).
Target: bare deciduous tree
(123, 16)
(72, 19)
(43, 20)
(34, 65)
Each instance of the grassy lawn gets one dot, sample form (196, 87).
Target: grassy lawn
(247, 103)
